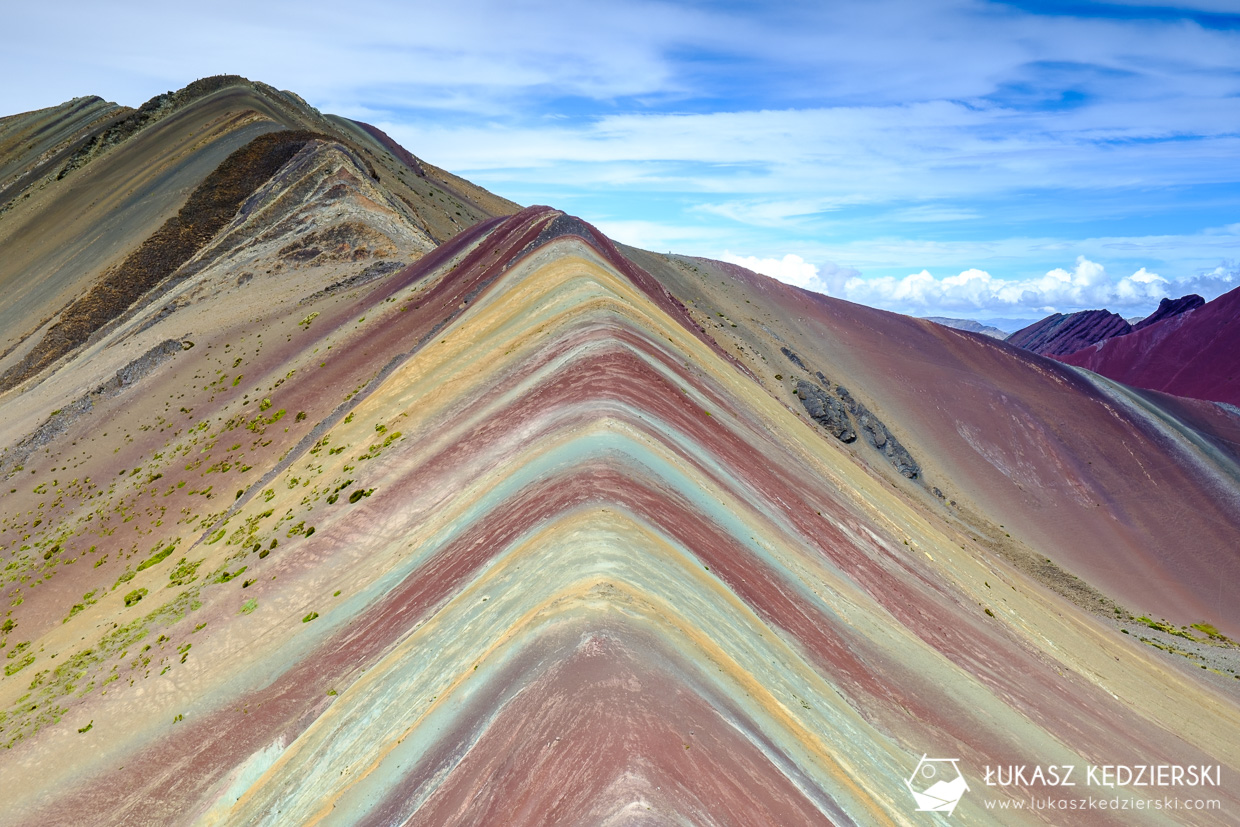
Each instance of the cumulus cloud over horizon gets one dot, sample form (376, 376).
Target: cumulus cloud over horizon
(1087, 285)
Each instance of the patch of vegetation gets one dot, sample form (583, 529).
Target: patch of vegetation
(1168, 648)
(309, 617)
(1163, 626)
(184, 573)
(222, 575)
(14, 668)
(156, 558)
(248, 606)
(134, 596)
(88, 599)
(1210, 631)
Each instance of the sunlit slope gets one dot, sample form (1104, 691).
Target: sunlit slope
(109, 177)
(1128, 503)
(538, 551)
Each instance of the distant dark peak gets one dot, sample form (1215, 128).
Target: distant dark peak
(793, 358)
(1171, 307)
(1060, 334)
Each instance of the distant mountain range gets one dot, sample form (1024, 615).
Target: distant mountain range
(1186, 347)
(969, 325)
(1193, 351)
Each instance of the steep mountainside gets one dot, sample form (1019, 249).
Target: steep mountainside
(368, 498)
(1193, 353)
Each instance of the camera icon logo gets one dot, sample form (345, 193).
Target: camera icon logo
(937, 785)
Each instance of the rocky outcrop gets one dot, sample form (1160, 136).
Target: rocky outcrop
(832, 413)
(1170, 307)
(1060, 334)
(793, 358)
(826, 410)
(879, 438)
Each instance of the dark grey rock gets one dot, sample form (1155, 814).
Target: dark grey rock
(827, 411)
(793, 358)
(879, 438)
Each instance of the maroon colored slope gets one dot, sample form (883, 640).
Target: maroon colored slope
(1194, 354)
(1059, 335)
(1045, 452)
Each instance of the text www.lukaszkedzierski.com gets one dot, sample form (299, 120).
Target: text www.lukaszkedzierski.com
(1103, 804)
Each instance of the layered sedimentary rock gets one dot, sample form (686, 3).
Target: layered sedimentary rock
(343, 522)
(1191, 353)
(1060, 334)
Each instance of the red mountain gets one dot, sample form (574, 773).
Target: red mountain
(1170, 307)
(1060, 334)
(1191, 354)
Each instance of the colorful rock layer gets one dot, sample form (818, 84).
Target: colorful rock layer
(524, 533)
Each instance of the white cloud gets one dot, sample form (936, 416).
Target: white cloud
(1211, 283)
(830, 278)
(791, 269)
(1087, 285)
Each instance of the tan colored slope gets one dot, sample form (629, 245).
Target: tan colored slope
(33, 143)
(63, 233)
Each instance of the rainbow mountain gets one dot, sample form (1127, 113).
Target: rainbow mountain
(338, 490)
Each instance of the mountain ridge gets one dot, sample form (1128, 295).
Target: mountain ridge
(372, 517)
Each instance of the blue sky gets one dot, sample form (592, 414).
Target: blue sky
(951, 157)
